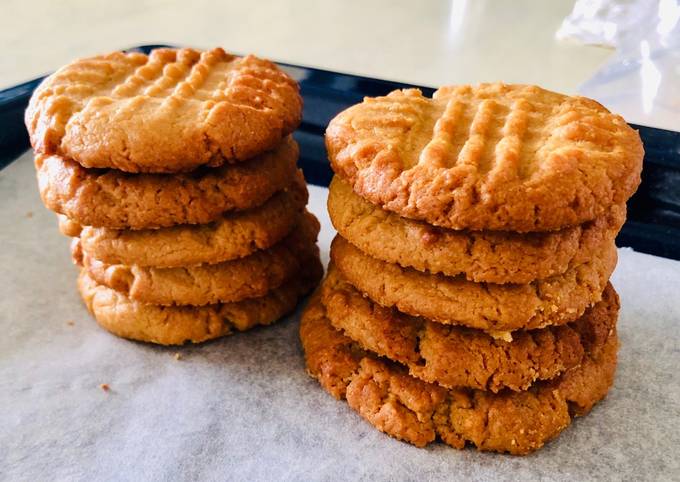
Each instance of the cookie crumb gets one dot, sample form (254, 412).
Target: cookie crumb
(70, 322)
(29, 214)
(105, 387)
(429, 237)
(501, 335)
(178, 356)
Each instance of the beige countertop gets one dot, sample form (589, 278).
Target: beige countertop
(430, 42)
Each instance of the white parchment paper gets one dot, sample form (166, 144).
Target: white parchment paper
(243, 408)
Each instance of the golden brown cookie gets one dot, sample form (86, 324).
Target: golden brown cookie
(418, 412)
(486, 306)
(233, 236)
(176, 325)
(490, 157)
(224, 282)
(114, 199)
(482, 256)
(456, 357)
(170, 111)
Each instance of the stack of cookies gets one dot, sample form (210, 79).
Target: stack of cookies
(176, 175)
(468, 296)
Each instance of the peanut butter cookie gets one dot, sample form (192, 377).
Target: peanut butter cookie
(173, 110)
(419, 413)
(456, 357)
(177, 325)
(482, 256)
(232, 236)
(486, 306)
(229, 281)
(114, 199)
(489, 157)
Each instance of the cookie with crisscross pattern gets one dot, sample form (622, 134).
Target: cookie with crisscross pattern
(490, 157)
(170, 111)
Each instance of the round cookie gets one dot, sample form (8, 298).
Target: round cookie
(170, 111)
(233, 236)
(482, 256)
(419, 412)
(229, 281)
(486, 306)
(456, 357)
(114, 199)
(490, 157)
(177, 325)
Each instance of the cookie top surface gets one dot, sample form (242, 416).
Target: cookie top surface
(114, 199)
(481, 256)
(232, 236)
(490, 157)
(229, 281)
(178, 325)
(490, 307)
(456, 357)
(171, 111)
(418, 412)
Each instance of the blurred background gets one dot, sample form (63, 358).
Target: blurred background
(623, 53)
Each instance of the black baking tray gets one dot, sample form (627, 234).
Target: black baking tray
(653, 224)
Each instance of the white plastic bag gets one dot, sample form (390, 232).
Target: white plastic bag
(642, 80)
